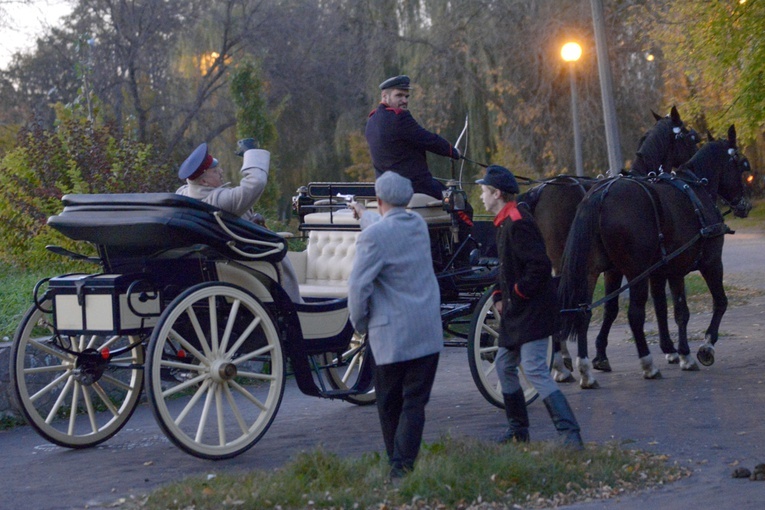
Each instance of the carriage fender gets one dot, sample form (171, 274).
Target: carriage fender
(251, 280)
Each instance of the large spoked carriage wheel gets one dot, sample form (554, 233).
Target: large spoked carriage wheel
(215, 371)
(482, 351)
(67, 389)
(344, 372)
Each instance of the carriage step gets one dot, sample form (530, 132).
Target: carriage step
(339, 393)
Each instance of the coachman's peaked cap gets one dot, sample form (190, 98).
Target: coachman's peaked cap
(199, 161)
(397, 82)
(501, 178)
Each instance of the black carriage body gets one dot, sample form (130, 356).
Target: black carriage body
(169, 243)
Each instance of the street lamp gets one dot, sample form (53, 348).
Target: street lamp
(571, 52)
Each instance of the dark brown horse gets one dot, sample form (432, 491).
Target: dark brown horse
(665, 226)
(667, 145)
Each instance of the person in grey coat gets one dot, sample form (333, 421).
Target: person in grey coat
(204, 181)
(394, 298)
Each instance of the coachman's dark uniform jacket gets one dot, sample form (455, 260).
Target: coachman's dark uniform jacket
(398, 143)
(530, 308)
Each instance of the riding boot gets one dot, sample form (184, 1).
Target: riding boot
(517, 418)
(564, 420)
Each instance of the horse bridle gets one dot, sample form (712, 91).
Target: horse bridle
(681, 133)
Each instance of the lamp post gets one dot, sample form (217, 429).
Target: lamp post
(571, 52)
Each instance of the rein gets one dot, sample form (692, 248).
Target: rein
(645, 274)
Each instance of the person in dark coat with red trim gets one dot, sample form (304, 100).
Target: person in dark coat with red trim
(527, 305)
(398, 143)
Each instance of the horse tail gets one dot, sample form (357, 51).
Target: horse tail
(573, 288)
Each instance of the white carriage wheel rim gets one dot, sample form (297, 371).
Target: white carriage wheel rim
(104, 431)
(255, 429)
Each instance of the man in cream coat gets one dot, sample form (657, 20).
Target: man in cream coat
(204, 181)
(394, 298)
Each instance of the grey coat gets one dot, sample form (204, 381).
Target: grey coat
(393, 291)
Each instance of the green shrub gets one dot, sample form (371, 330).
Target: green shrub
(77, 156)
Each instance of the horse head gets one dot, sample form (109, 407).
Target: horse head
(686, 139)
(667, 145)
(733, 183)
(720, 164)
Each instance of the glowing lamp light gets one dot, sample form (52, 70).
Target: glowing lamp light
(571, 51)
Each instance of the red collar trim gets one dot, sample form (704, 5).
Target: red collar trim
(397, 111)
(509, 211)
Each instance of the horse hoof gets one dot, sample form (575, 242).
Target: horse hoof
(594, 385)
(653, 376)
(687, 364)
(568, 363)
(601, 364)
(561, 378)
(673, 358)
(706, 355)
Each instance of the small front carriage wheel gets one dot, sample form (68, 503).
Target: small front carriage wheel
(68, 387)
(482, 350)
(215, 370)
(343, 372)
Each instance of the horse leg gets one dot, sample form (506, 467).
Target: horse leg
(713, 276)
(611, 280)
(636, 314)
(587, 379)
(566, 355)
(560, 371)
(659, 297)
(682, 315)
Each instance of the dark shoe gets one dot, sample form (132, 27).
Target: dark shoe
(564, 420)
(517, 436)
(397, 472)
(517, 418)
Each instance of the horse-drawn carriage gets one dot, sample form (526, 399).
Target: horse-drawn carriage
(188, 303)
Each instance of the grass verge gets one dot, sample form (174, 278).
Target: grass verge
(451, 473)
(16, 297)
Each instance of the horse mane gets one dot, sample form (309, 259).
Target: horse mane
(531, 197)
(651, 145)
(705, 164)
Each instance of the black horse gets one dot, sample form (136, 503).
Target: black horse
(665, 226)
(667, 145)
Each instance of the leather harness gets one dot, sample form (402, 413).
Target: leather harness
(706, 230)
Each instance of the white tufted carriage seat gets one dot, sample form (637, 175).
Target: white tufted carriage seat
(324, 267)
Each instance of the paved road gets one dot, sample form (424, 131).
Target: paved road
(711, 421)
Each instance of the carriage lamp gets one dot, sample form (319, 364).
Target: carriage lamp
(300, 201)
(454, 198)
(571, 52)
